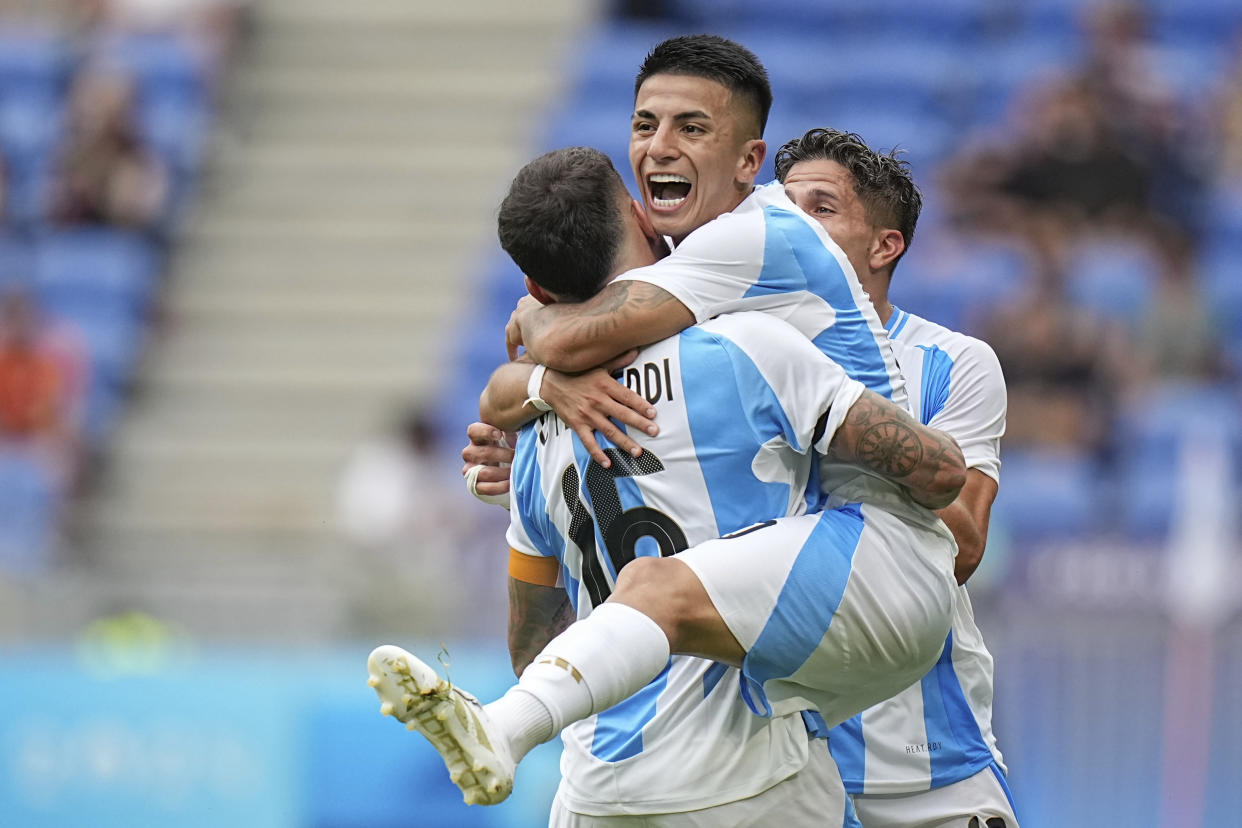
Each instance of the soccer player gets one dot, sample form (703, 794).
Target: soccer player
(927, 757)
(701, 103)
(829, 610)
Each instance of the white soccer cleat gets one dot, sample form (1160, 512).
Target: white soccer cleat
(453, 721)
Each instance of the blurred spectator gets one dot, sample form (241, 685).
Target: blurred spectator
(105, 173)
(1061, 368)
(1177, 339)
(397, 501)
(1228, 116)
(1103, 145)
(37, 388)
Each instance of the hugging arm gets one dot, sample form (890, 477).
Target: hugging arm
(884, 439)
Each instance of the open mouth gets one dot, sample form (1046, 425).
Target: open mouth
(668, 191)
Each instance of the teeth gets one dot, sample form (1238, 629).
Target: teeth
(667, 178)
(667, 202)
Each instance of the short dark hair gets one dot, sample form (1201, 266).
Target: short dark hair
(561, 221)
(715, 58)
(882, 181)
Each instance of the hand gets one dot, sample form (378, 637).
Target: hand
(594, 401)
(513, 329)
(488, 448)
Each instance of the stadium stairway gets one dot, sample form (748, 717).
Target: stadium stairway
(351, 188)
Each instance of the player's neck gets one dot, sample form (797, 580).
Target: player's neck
(876, 285)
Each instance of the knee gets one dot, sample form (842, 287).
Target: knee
(657, 587)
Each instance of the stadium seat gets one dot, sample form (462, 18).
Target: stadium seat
(29, 503)
(951, 280)
(1149, 436)
(108, 270)
(1047, 495)
(34, 61)
(1113, 278)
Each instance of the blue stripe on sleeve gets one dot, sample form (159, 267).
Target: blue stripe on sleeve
(849, 749)
(937, 376)
(806, 606)
(722, 388)
(951, 724)
(795, 259)
(619, 729)
(532, 505)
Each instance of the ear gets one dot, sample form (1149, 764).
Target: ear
(541, 295)
(753, 153)
(887, 245)
(644, 221)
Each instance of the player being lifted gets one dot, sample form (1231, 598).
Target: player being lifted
(834, 610)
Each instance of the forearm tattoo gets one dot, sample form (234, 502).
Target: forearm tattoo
(537, 614)
(600, 317)
(886, 440)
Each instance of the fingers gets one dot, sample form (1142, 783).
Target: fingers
(513, 337)
(489, 455)
(489, 480)
(633, 409)
(486, 447)
(481, 434)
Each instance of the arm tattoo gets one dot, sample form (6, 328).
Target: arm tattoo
(890, 448)
(537, 614)
(609, 314)
(884, 439)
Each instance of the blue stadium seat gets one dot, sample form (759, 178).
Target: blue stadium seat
(952, 280)
(1047, 495)
(36, 62)
(1113, 278)
(29, 505)
(1149, 436)
(104, 269)
(165, 66)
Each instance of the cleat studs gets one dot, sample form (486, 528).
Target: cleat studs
(410, 725)
(469, 797)
(386, 709)
(441, 716)
(478, 767)
(373, 681)
(407, 700)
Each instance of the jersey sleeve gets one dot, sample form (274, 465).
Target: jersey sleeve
(797, 393)
(527, 532)
(713, 268)
(974, 413)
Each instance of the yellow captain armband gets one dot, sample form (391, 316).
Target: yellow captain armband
(533, 569)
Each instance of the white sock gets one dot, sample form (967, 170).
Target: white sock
(597, 662)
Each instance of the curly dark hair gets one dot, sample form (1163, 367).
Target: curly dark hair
(882, 181)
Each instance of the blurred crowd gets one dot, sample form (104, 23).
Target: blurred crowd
(105, 107)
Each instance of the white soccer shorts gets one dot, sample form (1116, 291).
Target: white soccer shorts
(984, 796)
(814, 796)
(837, 610)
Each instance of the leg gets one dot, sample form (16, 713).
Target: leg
(668, 592)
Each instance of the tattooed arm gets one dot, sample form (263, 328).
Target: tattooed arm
(537, 614)
(578, 336)
(884, 439)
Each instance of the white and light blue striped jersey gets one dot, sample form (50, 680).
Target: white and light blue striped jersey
(740, 401)
(767, 255)
(939, 730)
